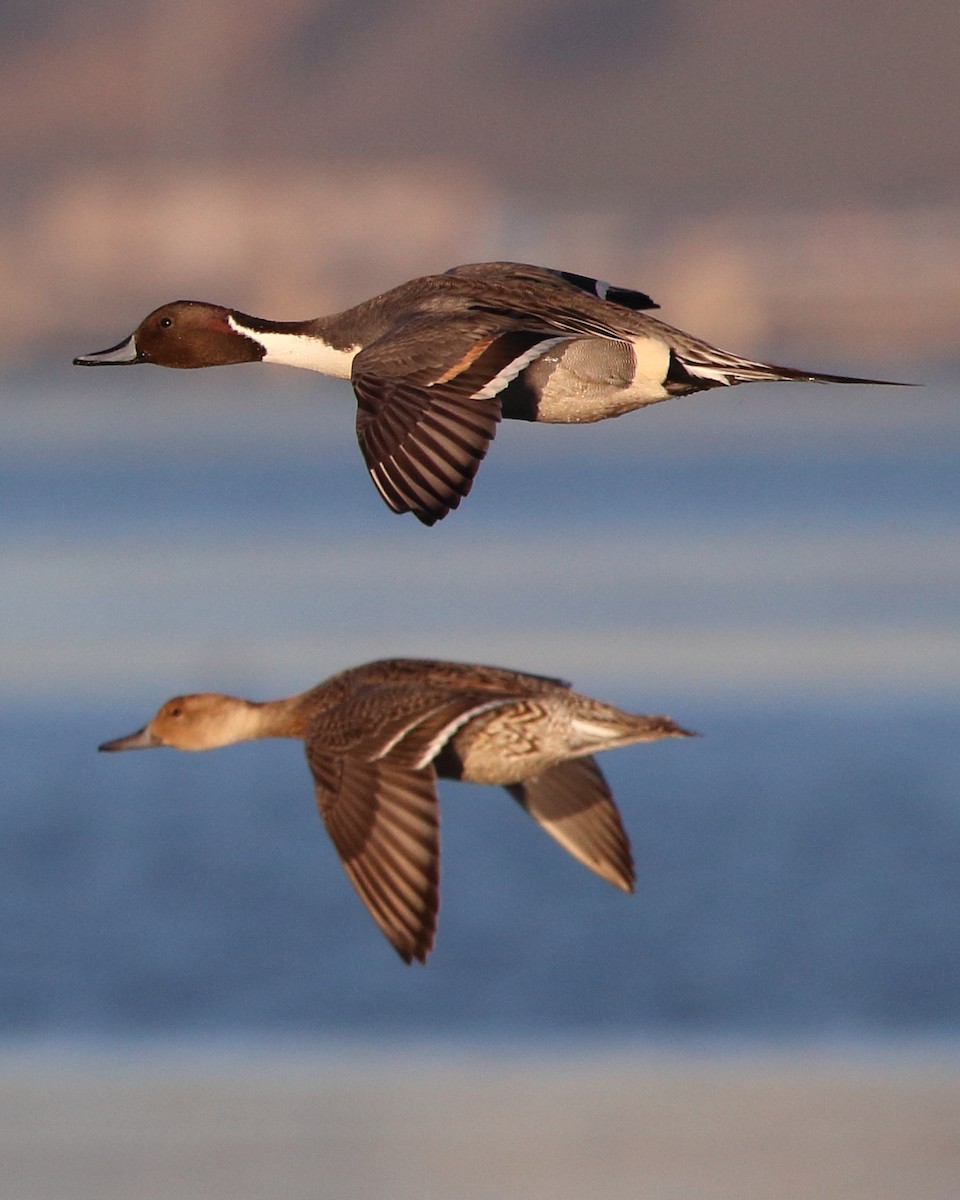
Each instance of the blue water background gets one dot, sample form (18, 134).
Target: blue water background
(776, 567)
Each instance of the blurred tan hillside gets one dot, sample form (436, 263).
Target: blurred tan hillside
(780, 177)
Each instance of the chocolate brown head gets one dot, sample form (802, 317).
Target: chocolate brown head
(183, 334)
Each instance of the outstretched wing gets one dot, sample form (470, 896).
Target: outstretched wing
(422, 448)
(428, 406)
(383, 821)
(572, 803)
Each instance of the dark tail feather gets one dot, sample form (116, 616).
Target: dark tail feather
(702, 366)
(820, 377)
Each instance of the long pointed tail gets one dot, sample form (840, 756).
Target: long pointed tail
(700, 365)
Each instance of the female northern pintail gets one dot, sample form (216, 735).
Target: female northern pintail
(436, 362)
(378, 736)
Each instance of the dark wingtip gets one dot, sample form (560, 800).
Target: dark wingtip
(638, 301)
(412, 954)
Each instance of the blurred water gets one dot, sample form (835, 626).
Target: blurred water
(778, 568)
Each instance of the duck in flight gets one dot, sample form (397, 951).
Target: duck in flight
(378, 736)
(437, 362)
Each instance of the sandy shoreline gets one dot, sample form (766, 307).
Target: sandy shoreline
(298, 1125)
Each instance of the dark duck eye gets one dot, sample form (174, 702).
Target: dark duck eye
(165, 322)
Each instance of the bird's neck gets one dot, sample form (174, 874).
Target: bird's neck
(305, 344)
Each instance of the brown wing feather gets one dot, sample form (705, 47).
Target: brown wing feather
(423, 740)
(422, 446)
(428, 407)
(383, 821)
(572, 803)
(395, 720)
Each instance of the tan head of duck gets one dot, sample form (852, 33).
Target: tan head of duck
(202, 721)
(183, 334)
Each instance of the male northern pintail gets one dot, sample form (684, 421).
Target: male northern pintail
(378, 736)
(436, 362)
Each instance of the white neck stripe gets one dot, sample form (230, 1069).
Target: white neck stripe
(311, 353)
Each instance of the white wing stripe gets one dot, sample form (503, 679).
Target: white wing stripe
(513, 368)
(443, 735)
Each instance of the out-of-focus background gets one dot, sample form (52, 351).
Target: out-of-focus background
(783, 175)
(192, 1000)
